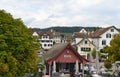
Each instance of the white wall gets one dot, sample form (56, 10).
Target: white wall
(103, 37)
(82, 44)
(77, 40)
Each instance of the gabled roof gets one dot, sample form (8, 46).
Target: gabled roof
(54, 50)
(95, 34)
(103, 30)
(83, 40)
(58, 49)
(83, 30)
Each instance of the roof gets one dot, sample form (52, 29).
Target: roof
(95, 34)
(80, 35)
(51, 33)
(101, 31)
(84, 39)
(54, 50)
(58, 49)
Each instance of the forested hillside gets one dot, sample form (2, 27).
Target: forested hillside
(67, 29)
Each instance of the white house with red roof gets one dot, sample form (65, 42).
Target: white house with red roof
(48, 38)
(98, 39)
(103, 36)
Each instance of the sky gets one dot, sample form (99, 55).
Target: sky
(51, 13)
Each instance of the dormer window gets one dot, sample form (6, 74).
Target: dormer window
(108, 35)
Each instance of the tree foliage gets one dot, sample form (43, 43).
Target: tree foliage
(108, 64)
(94, 53)
(114, 49)
(17, 47)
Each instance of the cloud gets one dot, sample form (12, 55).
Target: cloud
(47, 13)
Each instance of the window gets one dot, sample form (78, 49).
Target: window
(49, 44)
(45, 45)
(85, 49)
(85, 41)
(42, 40)
(47, 40)
(108, 35)
(112, 30)
(103, 42)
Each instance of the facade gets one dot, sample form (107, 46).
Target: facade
(84, 47)
(63, 58)
(45, 41)
(102, 37)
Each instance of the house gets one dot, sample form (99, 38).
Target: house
(103, 36)
(45, 40)
(63, 58)
(48, 38)
(98, 39)
(84, 47)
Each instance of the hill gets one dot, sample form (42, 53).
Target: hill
(68, 30)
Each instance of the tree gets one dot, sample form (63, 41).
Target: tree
(114, 49)
(94, 53)
(107, 64)
(17, 47)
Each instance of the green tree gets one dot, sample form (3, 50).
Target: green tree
(114, 49)
(17, 47)
(108, 64)
(94, 53)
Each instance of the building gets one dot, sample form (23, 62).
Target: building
(48, 39)
(89, 40)
(84, 47)
(103, 36)
(63, 58)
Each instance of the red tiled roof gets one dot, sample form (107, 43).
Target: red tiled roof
(101, 31)
(96, 34)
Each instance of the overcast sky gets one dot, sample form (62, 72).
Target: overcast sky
(49, 13)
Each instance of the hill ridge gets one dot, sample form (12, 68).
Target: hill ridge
(67, 29)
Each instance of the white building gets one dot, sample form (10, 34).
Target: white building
(97, 39)
(102, 37)
(45, 41)
(84, 47)
(48, 38)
